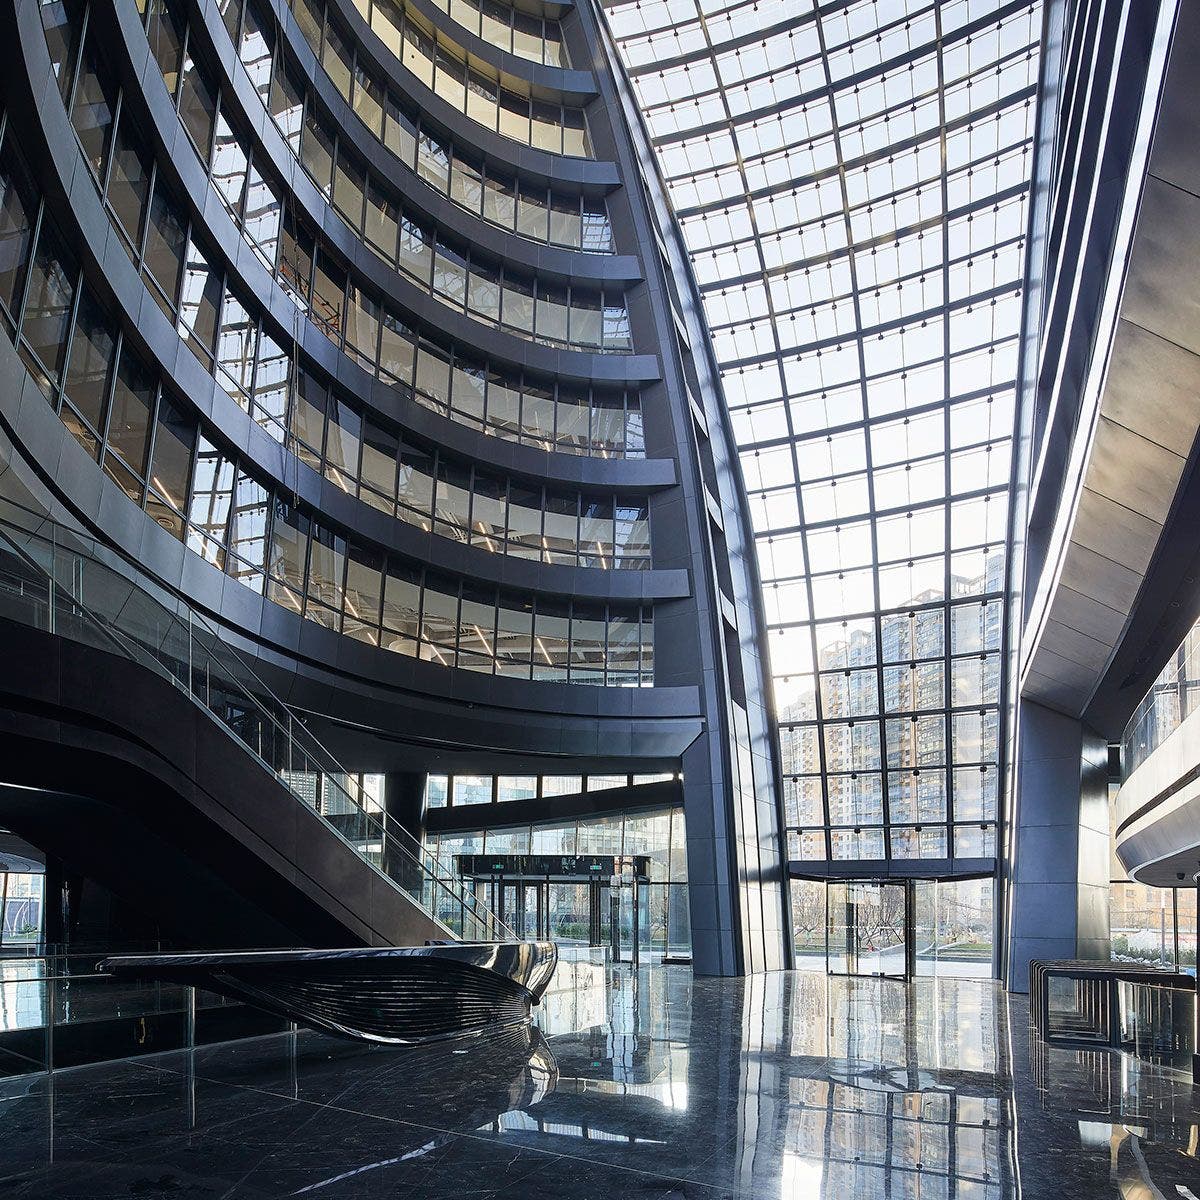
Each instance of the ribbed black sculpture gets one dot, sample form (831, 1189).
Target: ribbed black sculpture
(392, 994)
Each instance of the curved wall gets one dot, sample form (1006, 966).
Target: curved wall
(1157, 811)
(497, 548)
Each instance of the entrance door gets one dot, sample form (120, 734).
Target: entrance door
(628, 921)
(569, 913)
(535, 907)
(867, 929)
(511, 909)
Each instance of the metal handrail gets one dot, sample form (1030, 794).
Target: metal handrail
(126, 613)
(1172, 697)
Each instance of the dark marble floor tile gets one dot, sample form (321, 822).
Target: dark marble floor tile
(642, 1084)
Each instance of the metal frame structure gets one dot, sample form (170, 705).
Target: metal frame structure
(831, 169)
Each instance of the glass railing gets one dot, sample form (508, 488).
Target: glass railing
(1174, 695)
(58, 1010)
(61, 581)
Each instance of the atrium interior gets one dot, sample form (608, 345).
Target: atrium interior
(599, 594)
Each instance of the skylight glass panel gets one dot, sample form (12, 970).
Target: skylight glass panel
(852, 186)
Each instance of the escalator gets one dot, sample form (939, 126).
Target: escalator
(141, 749)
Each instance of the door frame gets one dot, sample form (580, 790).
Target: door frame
(909, 942)
(910, 883)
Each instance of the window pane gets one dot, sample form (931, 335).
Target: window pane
(94, 106)
(17, 210)
(129, 422)
(173, 440)
(129, 181)
(92, 349)
(48, 306)
(198, 106)
(166, 241)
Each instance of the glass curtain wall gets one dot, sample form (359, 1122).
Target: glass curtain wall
(851, 182)
(919, 927)
(657, 833)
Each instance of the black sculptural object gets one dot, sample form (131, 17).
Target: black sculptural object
(394, 994)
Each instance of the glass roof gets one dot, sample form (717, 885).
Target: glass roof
(851, 182)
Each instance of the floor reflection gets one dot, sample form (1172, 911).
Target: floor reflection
(648, 1082)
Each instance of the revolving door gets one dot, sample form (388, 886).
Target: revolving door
(584, 900)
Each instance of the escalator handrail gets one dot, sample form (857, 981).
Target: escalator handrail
(76, 543)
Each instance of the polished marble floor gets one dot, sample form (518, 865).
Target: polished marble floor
(636, 1084)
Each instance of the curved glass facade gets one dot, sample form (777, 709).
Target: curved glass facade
(516, 30)
(440, 66)
(361, 455)
(852, 186)
(225, 330)
(318, 276)
(533, 210)
(151, 445)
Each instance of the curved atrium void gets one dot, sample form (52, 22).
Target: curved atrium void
(851, 182)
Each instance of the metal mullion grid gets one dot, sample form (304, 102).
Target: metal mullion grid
(795, 466)
(866, 423)
(947, 620)
(909, 143)
(868, 614)
(867, 75)
(906, 321)
(997, 821)
(881, 239)
(862, 376)
(871, 421)
(833, 523)
(916, 507)
(747, 39)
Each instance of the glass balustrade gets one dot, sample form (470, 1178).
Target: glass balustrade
(54, 579)
(1171, 699)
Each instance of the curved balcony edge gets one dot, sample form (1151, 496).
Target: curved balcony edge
(73, 480)
(556, 263)
(593, 175)
(566, 84)
(1157, 810)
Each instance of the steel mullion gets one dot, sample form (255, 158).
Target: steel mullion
(862, 377)
(795, 466)
(947, 583)
(867, 75)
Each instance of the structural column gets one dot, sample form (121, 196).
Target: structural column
(1058, 886)
(403, 795)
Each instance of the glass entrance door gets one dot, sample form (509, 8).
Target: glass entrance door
(629, 921)
(867, 929)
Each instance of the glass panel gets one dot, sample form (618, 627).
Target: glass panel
(94, 107)
(129, 181)
(17, 210)
(867, 929)
(198, 106)
(472, 789)
(516, 787)
(174, 438)
(166, 242)
(208, 511)
(954, 927)
(129, 422)
(92, 351)
(48, 304)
